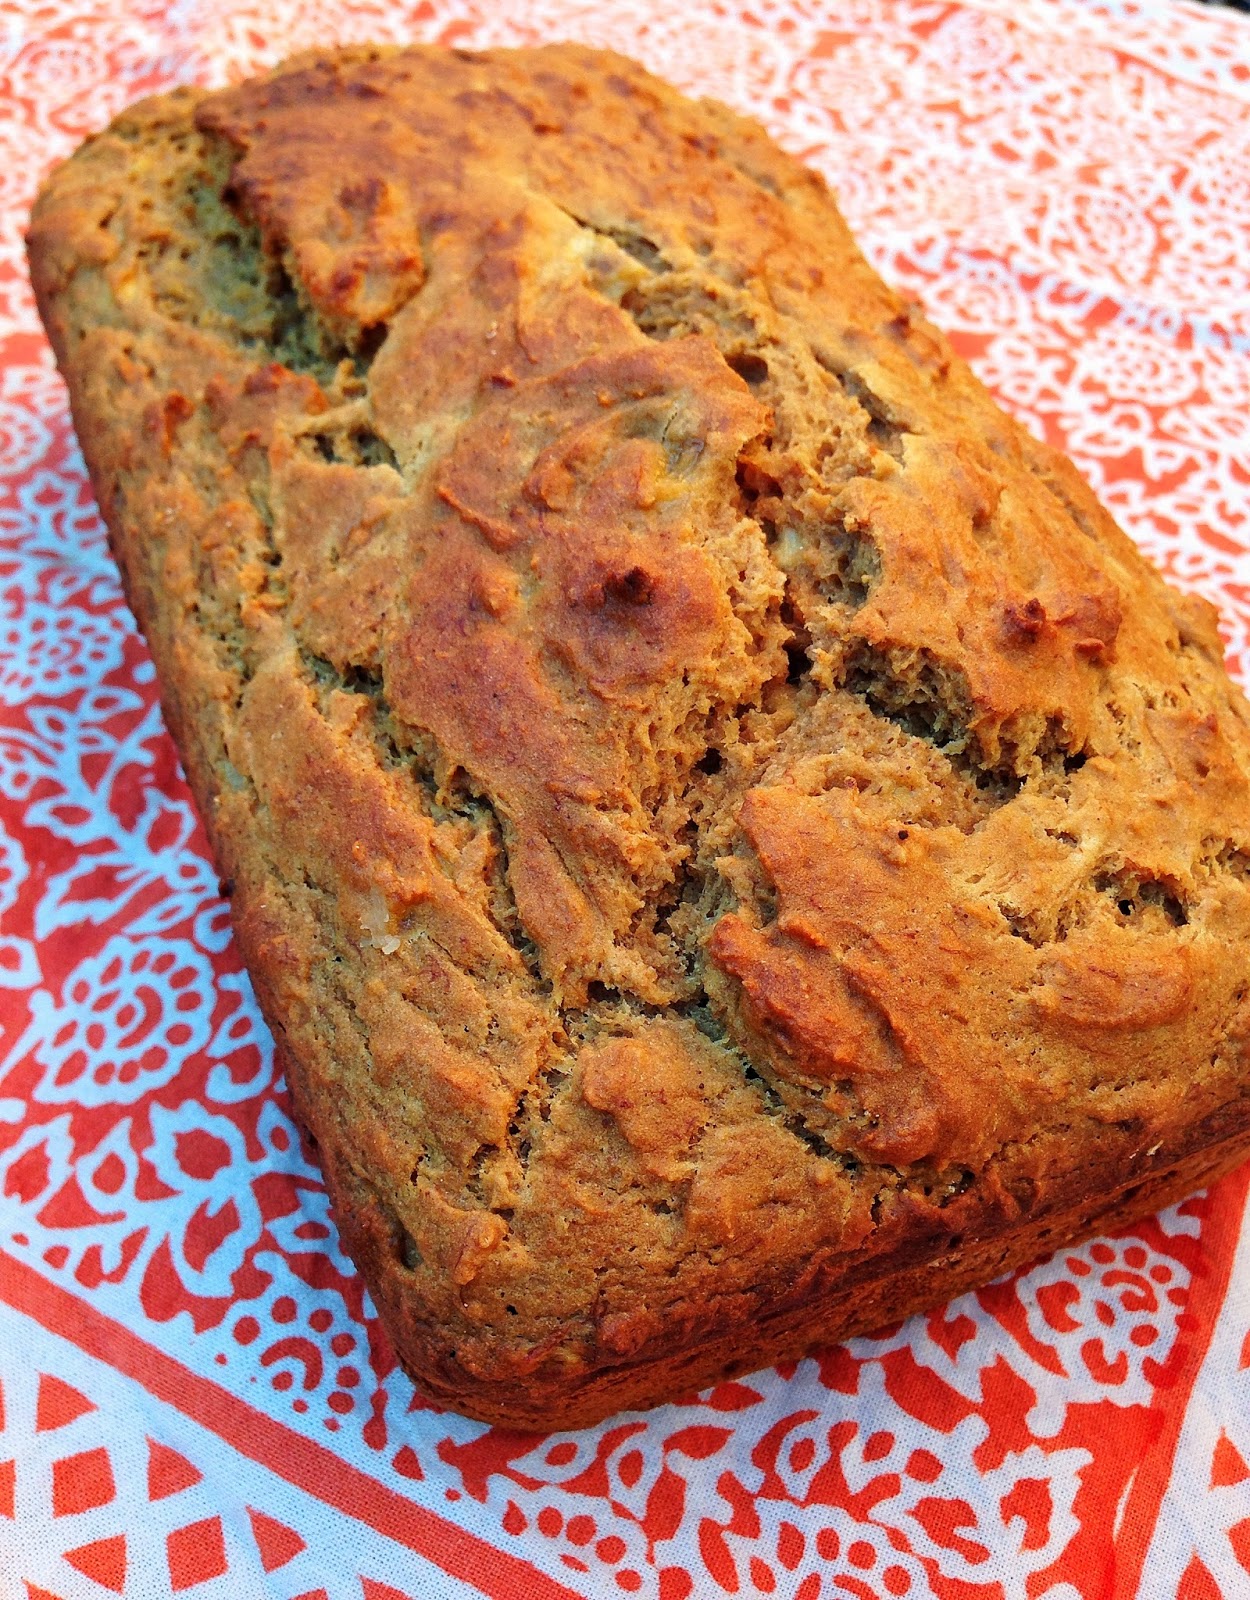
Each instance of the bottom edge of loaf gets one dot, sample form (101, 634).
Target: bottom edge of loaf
(827, 1319)
(879, 1293)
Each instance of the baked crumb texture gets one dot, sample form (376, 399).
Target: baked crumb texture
(734, 843)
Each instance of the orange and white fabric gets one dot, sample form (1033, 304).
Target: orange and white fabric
(195, 1396)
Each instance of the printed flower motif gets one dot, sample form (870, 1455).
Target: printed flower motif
(55, 518)
(241, 1048)
(978, 295)
(212, 1213)
(24, 437)
(51, 651)
(1124, 362)
(127, 1021)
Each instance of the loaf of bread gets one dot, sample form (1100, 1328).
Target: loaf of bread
(734, 844)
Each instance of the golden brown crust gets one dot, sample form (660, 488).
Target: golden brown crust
(734, 841)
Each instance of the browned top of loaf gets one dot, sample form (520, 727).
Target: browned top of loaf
(700, 781)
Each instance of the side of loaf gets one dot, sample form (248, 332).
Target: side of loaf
(733, 842)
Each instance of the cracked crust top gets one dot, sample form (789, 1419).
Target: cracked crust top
(717, 814)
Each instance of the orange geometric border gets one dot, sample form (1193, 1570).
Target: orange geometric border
(281, 1450)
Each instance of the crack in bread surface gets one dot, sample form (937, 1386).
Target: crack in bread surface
(687, 761)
